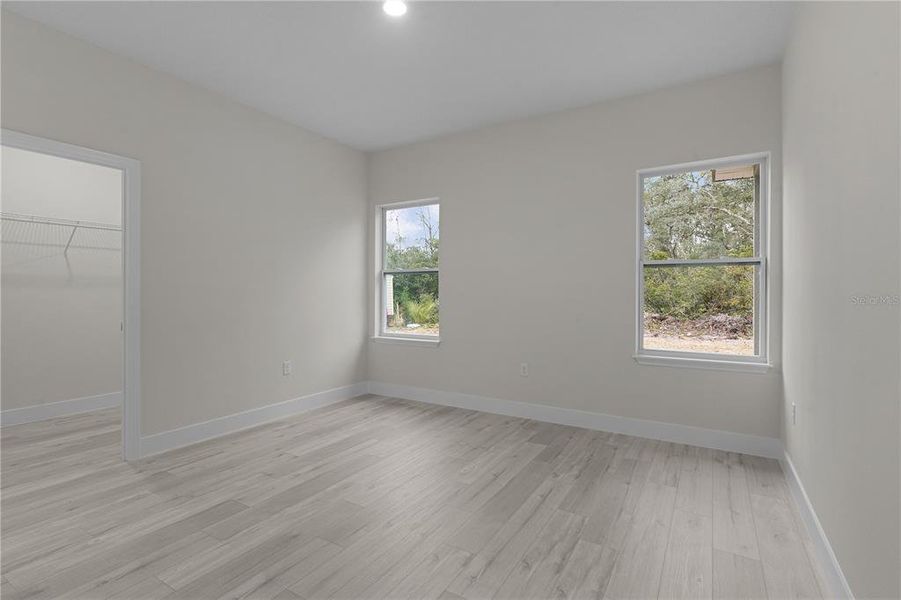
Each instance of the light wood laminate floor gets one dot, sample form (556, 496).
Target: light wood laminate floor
(384, 498)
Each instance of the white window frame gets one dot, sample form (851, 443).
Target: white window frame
(380, 334)
(758, 363)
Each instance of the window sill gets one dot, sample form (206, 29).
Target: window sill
(702, 363)
(406, 341)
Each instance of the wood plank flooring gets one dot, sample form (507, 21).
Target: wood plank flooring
(384, 498)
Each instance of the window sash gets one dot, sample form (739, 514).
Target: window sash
(383, 316)
(383, 226)
(409, 271)
(758, 314)
(759, 260)
(689, 262)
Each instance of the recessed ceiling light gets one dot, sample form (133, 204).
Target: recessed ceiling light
(395, 8)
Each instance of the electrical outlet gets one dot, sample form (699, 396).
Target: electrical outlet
(524, 369)
(794, 414)
(287, 367)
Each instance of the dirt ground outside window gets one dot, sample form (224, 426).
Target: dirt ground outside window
(717, 334)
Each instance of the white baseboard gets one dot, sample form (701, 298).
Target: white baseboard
(63, 408)
(199, 432)
(832, 571)
(669, 432)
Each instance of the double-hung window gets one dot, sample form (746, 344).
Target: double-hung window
(409, 302)
(702, 269)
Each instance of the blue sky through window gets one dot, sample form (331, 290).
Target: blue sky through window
(409, 227)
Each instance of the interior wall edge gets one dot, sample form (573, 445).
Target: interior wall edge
(164, 441)
(61, 408)
(835, 577)
(207, 430)
(658, 430)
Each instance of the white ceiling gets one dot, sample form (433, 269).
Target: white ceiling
(348, 71)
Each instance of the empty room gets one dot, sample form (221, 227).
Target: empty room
(450, 300)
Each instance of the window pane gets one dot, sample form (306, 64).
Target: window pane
(700, 214)
(411, 303)
(411, 237)
(708, 309)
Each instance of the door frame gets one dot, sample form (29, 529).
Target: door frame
(131, 268)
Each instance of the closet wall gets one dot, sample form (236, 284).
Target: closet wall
(61, 279)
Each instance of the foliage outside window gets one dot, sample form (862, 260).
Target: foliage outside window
(702, 269)
(409, 275)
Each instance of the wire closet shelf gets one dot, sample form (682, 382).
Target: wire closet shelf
(29, 236)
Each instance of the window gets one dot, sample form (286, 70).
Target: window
(409, 304)
(702, 263)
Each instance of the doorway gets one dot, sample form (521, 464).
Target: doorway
(71, 276)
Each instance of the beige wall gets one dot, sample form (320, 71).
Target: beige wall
(246, 222)
(539, 217)
(842, 359)
(61, 312)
